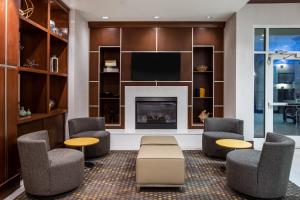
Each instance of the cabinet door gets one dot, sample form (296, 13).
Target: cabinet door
(12, 112)
(2, 128)
(13, 32)
(2, 32)
(138, 39)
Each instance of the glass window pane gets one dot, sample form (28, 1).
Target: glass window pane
(285, 39)
(259, 39)
(259, 96)
(286, 89)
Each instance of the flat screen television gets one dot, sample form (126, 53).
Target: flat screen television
(155, 66)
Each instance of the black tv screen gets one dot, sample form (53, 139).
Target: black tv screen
(155, 66)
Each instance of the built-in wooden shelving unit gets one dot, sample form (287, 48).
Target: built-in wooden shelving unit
(202, 55)
(197, 43)
(38, 84)
(109, 100)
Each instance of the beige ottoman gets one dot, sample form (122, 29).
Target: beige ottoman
(158, 140)
(160, 164)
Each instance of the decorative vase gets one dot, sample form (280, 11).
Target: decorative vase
(203, 115)
(28, 113)
(197, 92)
(22, 112)
(202, 92)
(54, 64)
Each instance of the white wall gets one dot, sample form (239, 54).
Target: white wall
(229, 68)
(253, 15)
(78, 93)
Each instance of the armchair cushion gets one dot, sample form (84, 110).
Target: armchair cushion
(66, 172)
(223, 135)
(96, 134)
(241, 170)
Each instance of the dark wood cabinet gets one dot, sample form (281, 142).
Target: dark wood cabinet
(138, 39)
(94, 68)
(12, 112)
(55, 125)
(13, 37)
(2, 32)
(174, 39)
(209, 36)
(104, 37)
(2, 125)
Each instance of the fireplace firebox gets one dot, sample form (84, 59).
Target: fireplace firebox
(156, 112)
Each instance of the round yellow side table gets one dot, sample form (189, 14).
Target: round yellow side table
(82, 143)
(233, 144)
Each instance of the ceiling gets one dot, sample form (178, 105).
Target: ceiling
(167, 10)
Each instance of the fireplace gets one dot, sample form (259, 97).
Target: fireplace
(156, 113)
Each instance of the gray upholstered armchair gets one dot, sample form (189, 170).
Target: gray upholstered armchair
(48, 172)
(91, 127)
(262, 174)
(220, 128)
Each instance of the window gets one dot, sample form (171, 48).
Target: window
(259, 95)
(259, 39)
(285, 39)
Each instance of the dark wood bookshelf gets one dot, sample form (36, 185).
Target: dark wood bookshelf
(109, 104)
(58, 74)
(38, 84)
(56, 36)
(202, 55)
(32, 70)
(39, 116)
(40, 14)
(203, 72)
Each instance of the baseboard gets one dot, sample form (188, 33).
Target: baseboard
(9, 186)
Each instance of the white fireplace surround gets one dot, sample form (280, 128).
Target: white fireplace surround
(181, 92)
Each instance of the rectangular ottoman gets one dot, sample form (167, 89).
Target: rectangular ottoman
(158, 140)
(160, 164)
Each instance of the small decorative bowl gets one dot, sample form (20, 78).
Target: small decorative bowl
(201, 68)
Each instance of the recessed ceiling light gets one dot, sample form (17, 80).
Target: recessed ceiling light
(105, 17)
(156, 17)
(209, 17)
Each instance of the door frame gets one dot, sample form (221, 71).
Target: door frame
(269, 84)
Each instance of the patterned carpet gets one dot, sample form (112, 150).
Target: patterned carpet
(115, 179)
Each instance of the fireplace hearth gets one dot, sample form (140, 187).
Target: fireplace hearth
(156, 112)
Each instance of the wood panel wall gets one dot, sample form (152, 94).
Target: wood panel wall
(9, 60)
(150, 36)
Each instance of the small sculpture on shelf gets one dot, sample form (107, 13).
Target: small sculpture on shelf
(59, 31)
(203, 115)
(22, 112)
(29, 9)
(201, 68)
(110, 66)
(31, 63)
(51, 104)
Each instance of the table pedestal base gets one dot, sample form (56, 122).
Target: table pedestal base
(89, 164)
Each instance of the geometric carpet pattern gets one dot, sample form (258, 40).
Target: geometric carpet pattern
(113, 177)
